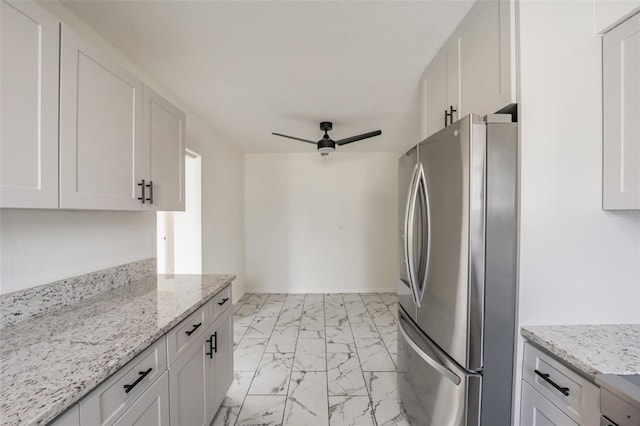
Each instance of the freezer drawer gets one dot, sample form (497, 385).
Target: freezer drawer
(433, 389)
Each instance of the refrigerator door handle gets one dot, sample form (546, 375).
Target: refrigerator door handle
(426, 358)
(425, 216)
(409, 234)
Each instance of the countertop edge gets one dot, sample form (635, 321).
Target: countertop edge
(586, 370)
(57, 409)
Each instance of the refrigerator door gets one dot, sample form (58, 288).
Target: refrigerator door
(451, 284)
(406, 180)
(433, 389)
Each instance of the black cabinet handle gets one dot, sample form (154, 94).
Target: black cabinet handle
(223, 301)
(195, 327)
(150, 186)
(449, 115)
(143, 374)
(545, 377)
(215, 342)
(210, 342)
(143, 186)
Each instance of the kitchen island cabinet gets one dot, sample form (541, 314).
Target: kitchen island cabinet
(109, 351)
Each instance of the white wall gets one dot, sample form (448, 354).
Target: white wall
(119, 237)
(321, 224)
(41, 246)
(187, 225)
(578, 263)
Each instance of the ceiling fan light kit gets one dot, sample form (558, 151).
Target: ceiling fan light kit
(326, 144)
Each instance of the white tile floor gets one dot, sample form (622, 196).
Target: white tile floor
(314, 360)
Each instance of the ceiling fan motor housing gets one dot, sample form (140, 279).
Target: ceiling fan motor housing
(326, 145)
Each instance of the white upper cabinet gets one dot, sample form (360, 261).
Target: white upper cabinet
(609, 13)
(29, 103)
(440, 90)
(621, 112)
(164, 148)
(100, 129)
(474, 72)
(487, 60)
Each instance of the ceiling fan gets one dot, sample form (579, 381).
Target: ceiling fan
(326, 144)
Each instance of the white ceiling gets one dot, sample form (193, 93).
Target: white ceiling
(252, 68)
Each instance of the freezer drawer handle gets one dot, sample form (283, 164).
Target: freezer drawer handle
(432, 362)
(545, 377)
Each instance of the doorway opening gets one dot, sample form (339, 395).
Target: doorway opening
(180, 233)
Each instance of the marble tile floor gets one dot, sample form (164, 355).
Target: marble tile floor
(314, 359)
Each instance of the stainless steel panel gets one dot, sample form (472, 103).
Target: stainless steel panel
(500, 272)
(406, 167)
(433, 389)
(449, 159)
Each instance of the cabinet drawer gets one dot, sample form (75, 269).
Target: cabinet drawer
(581, 398)
(220, 302)
(538, 411)
(188, 332)
(109, 401)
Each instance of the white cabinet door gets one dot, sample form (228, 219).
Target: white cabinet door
(440, 90)
(536, 410)
(152, 408)
(223, 358)
(621, 109)
(164, 140)
(100, 129)
(487, 63)
(187, 387)
(29, 53)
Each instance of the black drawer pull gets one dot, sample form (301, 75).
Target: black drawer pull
(223, 301)
(143, 374)
(215, 342)
(545, 377)
(195, 327)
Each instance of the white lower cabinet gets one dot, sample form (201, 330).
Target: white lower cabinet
(162, 386)
(553, 394)
(71, 417)
(223, 361)
(152, 408)
(187, 387)
(536, 410)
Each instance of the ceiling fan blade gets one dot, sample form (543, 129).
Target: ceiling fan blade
(358, 137)
(293, 137)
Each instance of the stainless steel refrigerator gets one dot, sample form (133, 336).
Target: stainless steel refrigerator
(457, 289)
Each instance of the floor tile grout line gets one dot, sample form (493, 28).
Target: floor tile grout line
(355, 348)
(326, 358)
(293, 360)
(259, 362)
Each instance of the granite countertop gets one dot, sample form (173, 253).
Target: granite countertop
(49, 362)
(591, 349)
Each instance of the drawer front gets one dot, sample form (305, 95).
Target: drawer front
(220, 302)
(574, 395)
(188, 332)
(105, 404)
(536, 410)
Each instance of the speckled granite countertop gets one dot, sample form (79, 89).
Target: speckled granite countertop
(49, 362)
(591, 349)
